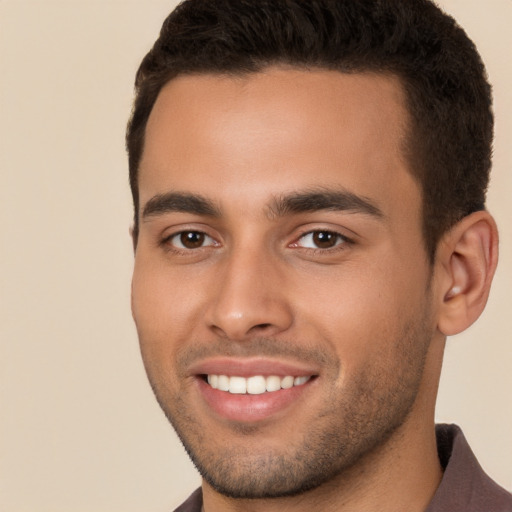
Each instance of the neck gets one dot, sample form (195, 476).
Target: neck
(401, 475)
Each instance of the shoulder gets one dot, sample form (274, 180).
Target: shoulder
(193, 503)
(465, 486)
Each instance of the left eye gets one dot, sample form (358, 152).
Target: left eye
(321, 240)
(191, 240)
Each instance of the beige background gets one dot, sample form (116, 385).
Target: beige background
(79, 428)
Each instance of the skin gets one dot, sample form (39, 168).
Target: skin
(367, 314)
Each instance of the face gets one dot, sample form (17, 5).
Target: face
(281, 285)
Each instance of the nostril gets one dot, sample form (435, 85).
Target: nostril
(262, 326)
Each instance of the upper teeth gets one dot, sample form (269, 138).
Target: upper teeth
(254, 385)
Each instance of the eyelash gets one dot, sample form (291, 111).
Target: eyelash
(341, 242)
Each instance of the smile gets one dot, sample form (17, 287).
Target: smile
(255, 385)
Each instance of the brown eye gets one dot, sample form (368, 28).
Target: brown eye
(191, 240)
(321, 240)
(325, 239)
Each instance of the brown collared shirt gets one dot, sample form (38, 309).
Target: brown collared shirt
(464, 488)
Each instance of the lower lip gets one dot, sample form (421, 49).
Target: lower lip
(250, 408)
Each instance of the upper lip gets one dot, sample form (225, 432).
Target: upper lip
(247, 367)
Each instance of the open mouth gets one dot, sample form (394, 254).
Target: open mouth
(255, 385)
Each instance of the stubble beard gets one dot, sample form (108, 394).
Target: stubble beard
(352, 426)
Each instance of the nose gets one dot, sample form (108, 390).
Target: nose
(249, 298)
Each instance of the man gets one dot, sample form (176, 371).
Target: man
(309, 185)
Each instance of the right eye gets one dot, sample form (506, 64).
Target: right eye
(190, 240)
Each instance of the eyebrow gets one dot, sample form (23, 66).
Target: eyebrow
(293, 203)
(323, 199)
(179, 202)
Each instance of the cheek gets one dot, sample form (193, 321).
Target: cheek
(155, 308)
(164, 306)
(362, 312)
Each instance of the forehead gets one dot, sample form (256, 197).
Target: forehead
(277, 130)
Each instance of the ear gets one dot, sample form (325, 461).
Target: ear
(467, 255)
(133, 237)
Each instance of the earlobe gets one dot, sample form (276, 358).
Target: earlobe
(468, 254)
